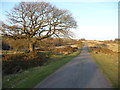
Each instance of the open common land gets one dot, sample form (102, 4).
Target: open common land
(106, 56)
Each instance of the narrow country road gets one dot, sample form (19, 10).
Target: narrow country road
(81, 72)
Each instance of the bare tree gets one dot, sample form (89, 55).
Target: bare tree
(36, 21)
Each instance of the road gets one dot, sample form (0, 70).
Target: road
(81, 72)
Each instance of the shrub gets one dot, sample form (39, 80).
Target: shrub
(102, 50)
(18, 62)
(65, 50)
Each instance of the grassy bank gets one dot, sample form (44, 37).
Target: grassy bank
(31, 77)
(109, 65)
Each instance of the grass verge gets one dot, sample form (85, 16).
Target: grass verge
(109, 66)
(31, 77)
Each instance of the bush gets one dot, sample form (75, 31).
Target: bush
(18, 62)
(102, 50)
(65, 50)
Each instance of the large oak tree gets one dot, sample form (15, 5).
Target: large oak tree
(36, 21)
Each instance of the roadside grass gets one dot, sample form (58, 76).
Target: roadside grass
(10, 52)
(31, 77)
(109, 65)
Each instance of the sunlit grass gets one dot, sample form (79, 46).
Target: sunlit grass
(31, 77)
(109, 66)
(10, 52)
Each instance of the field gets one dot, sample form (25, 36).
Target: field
(31, 77)
(106, 56)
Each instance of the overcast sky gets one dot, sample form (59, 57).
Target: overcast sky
(97, 20)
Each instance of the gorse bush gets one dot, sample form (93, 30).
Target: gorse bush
(65, 50)
(102, 50)
(9, 57)
(14, 63)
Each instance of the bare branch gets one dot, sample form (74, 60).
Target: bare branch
(38, 20)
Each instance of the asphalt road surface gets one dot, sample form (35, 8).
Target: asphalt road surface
(80, 72)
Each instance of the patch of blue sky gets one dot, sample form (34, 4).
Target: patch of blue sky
(96, 20)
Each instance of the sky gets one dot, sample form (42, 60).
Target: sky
(97, 20)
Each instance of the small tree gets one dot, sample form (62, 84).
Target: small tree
(36, 21)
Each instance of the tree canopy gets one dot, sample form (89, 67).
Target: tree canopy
(37, 20)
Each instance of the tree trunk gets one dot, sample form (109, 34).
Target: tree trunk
(31, 47)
